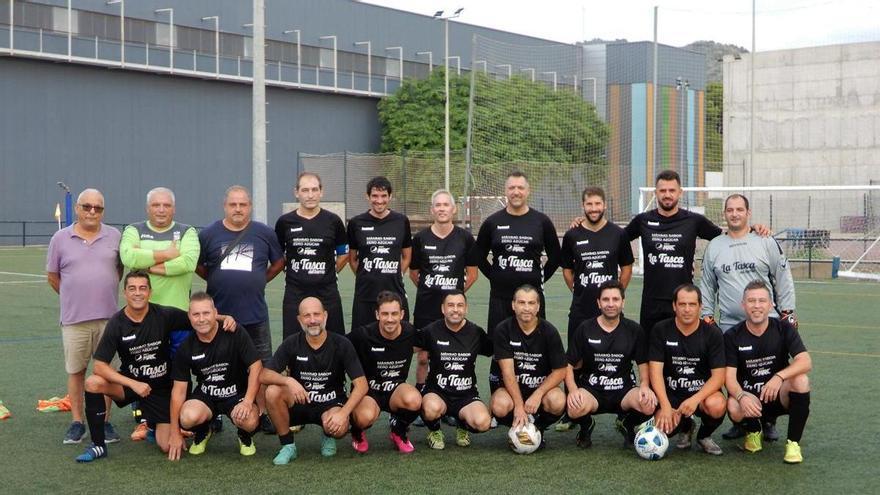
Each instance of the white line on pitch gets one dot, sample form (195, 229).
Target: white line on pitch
(23, 274)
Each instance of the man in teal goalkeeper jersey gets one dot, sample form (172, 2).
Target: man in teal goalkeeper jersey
(169, 251)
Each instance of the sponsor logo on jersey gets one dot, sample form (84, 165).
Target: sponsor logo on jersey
(302, 358)
(595, 264)
(654, 224)
(739, 266)
(316, 386)
(610, 368)
(515, 344)
(383, 266)
(147, 356)
(200, 356)
(453, 366)
(606, 382)
(593, 278)
(672, 344)
(215, 378)
(516, 264)
(440, 281)
(377, 349)
(128, 337)
(307, 251)
(580, 243)
(147, 236)
(527, 366)
(515, 248)
(367, 229)
(503, 227)
(664, 246)
(594, 341)
(441, 268)
(432, 248)
(380, 250)
(761, 372)
(685, 370)
(442, 342)
(746, 348)
(389, 373)
(296, 229)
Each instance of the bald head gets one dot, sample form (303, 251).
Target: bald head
(312, 317)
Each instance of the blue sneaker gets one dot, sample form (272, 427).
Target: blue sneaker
(285, 455)
(110, 435)
(92, 453)
(75, 433)
(328, 446)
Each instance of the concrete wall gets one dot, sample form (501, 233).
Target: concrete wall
(817, 122)
(817, 116)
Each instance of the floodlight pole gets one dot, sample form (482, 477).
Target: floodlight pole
(457, 63)
(554, 78)
(439, 15)
(335, 71)
(430, 60)
(298, 54)
(369, 63)
(258, 173)
(170, 35)
(216, 19)
(121, 29)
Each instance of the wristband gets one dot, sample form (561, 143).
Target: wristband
(740, 396)
(780, 376)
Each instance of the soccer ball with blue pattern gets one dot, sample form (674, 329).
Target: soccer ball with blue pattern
(651, 443)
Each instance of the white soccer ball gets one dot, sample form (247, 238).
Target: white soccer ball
(651, 443)
(525, 439)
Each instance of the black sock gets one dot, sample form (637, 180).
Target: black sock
(286, 439)
(798, 412)
(708, 425)
(584, 421)
(96, 410)
(401, 420)
(685, 425)
(544, 419)
(245, 436)
(201, 431)
(431, 425)
(750, 425)
(356, 431)
(632, 419)
(505, 420)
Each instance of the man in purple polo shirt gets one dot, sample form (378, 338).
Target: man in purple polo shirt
(83, 267)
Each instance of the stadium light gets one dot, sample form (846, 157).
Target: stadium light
(682, 86)
(216, 19)
(170, 34)
(439, 15)
(298, 53)
(430, 60)
(369, 63)
(554, 78)
(335, 71)
(457, 63)
(121, 28)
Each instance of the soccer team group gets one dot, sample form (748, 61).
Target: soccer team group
(673, 365)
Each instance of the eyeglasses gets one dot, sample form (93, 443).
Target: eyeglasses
(95, 208)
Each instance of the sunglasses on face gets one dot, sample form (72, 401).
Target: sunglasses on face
(90, 207)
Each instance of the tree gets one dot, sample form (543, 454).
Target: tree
(516, 120)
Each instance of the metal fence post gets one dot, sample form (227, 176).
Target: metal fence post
(403, 177)
(345, 180)
(23, 234)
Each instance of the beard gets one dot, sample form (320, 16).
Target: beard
(667, 208)
(591, 221)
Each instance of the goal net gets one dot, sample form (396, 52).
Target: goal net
(827, 229)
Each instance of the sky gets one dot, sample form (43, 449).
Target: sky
(780, 24)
